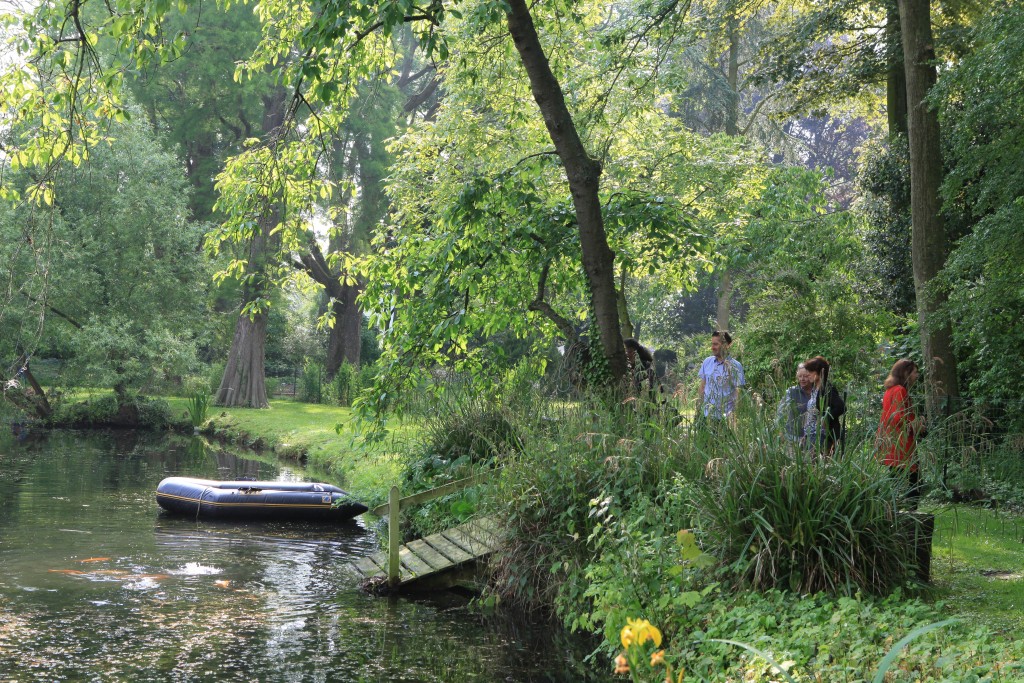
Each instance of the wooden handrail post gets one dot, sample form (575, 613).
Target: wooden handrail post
(394, 536)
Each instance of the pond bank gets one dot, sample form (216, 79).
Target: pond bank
(307, 433)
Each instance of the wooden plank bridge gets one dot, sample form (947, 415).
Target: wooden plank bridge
(437, 554)
(427, 557)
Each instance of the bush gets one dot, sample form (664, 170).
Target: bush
(92, 412)
(104, 411)
(344, 384)
(349, 380)
(824, 638)
(474, 433)
(154, 413)
(582, 467)
(311, 383)
(215, 376)
(784, 518)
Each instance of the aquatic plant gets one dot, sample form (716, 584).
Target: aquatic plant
(198, 405)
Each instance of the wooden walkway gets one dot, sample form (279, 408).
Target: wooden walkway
(437, 553)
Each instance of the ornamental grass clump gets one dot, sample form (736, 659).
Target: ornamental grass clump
(198, 406)
(783, 517)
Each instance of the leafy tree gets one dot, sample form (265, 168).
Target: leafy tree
(105, 276)
(320, 54)
(483, 224)
(194, 101)
(884, 190)
(980, 102)
(805, 286)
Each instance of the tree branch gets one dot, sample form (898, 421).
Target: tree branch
(543, 307)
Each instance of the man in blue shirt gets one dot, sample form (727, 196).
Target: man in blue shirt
(720, 379)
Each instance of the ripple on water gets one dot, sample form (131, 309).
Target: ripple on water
(136, 595)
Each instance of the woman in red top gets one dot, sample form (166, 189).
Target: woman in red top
(899, 426)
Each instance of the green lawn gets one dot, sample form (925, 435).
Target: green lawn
(306, 430)
(978, 565)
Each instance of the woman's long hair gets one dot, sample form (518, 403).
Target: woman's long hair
(900, 373)
(820, 367)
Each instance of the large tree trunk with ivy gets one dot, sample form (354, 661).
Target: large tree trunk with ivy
(584, 177)
(928, 240)
(244, 382)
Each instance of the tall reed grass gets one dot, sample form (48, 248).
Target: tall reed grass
(773, 514)
(784, 517)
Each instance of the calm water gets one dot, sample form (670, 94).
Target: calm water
(96, 584)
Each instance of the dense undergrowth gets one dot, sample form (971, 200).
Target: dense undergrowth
(622, 511)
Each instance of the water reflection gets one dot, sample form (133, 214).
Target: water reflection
(97, 584)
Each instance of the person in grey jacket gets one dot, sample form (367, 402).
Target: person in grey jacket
(789, 416)
(822, 425)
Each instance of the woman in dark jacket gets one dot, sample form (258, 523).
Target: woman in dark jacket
(822, 429)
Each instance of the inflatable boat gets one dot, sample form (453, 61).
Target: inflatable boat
(256, 500)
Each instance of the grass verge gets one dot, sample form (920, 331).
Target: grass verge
(307, 432)
(978, 565)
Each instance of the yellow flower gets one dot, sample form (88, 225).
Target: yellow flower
(621, 665)
(639, 631)
(646, 631)
(651, 632)
(657, 657)
(627, 634)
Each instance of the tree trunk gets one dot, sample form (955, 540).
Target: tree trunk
(895, 77)
(732, 129)
(31, 399)
(724, 301)
(584, 176)
(732, 114)
(928, 241)
(345, 341)
(244, 383)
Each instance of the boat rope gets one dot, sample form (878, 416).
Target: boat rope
(199, 506)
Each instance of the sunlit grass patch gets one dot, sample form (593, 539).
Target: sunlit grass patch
(978, 565)
(308, 430)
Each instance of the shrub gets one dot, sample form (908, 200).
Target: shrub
(823, 638)
(344, 384)
(784, 518)
(475, 432)
(105, 411)
(154, 413)
(349, 381)
(92, 412)
(311, 385)
(582, 467)
(215, 376)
